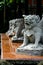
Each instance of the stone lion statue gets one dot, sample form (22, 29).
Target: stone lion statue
(12, 26)
(15, 27)
(33, 30)
(18, 29)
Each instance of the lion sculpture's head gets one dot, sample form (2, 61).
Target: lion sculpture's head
(31, 21)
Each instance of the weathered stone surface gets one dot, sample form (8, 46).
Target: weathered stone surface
(30, 52)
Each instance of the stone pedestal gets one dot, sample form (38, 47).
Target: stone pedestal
(19, 40)
(31, 50)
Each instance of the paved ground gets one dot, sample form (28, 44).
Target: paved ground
(8, 50)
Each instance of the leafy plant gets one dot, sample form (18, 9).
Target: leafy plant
(3, 62)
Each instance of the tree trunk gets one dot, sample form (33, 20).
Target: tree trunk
(19, 12)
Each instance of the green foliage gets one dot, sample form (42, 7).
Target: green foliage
(40, 63)
(3, 62)
(10, 1)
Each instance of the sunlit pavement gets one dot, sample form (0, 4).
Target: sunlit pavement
(8, 50)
